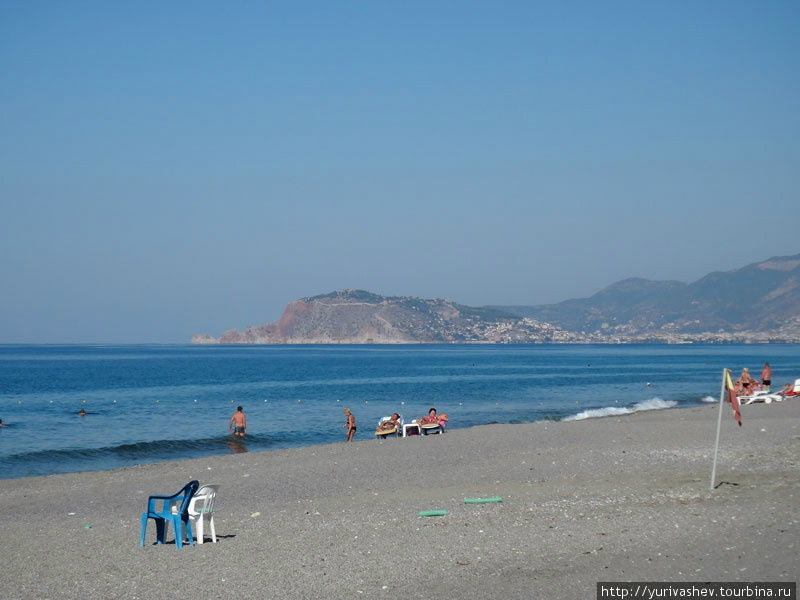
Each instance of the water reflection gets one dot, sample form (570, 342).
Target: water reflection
(236, 445)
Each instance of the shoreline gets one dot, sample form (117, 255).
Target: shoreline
(601, 499)
(667, 405)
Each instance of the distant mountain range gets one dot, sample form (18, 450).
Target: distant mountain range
(761, 297)
(756, 303)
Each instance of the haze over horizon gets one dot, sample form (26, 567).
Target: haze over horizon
(172, 170)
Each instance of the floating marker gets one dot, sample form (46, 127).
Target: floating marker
(432, 513)
(482, 500)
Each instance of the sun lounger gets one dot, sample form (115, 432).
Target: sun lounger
(395, 431)
(760, 396)
(428, 428)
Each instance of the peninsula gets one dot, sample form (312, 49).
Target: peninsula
(759, 303)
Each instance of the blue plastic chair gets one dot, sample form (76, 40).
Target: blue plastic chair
(167, 515)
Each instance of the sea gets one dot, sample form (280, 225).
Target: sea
(152, 403)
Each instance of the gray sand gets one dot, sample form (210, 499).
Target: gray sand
(619, 498)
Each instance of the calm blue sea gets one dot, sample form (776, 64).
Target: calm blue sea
(153, 403)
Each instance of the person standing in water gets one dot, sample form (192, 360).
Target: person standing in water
(351, 425)
(238, 423)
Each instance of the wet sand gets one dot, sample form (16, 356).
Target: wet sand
(617, 498)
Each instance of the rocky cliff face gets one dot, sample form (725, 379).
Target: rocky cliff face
(359, 317)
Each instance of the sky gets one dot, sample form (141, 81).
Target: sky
(176, 168)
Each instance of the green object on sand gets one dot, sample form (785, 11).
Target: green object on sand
(87, 526)
(432, 513)
(482, 500)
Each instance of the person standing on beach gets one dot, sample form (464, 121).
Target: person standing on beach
(351, 425)
(766, 376)
(745, 382)
(238, 423)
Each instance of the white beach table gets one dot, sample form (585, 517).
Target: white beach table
(407, 426)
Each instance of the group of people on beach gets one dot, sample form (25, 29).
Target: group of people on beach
(393, 423)
(746, 385)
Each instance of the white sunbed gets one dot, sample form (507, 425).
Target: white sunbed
(394, 431)
(768, 397)
(760, 396)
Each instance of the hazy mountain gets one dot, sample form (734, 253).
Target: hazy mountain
(759, 302)
(763, 296)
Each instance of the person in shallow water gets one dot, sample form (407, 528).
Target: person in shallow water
(238, 423)
(81, 413)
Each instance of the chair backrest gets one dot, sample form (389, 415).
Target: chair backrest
(203, 500)
(188, 492)
(796, 387)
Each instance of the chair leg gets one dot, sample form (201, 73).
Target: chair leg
(199, 523)
(161, 530)
(144, 528)
(176, 526)
(189, 532)
(211, 525)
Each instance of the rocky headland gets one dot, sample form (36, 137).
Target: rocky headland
(759, 303)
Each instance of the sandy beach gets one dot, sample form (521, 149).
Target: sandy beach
(617, 498)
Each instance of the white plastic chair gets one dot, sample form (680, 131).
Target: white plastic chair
(202, 505)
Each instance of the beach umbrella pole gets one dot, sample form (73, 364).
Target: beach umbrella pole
(719, 426)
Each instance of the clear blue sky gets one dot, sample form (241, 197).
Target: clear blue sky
(175, 168)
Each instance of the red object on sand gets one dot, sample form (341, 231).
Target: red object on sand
(733, 398)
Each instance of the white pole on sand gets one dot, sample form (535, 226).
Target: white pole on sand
(719, 426)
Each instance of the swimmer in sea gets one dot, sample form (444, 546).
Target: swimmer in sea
(81, 413)
(238, 423)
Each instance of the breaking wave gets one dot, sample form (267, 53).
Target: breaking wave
(612, 411)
